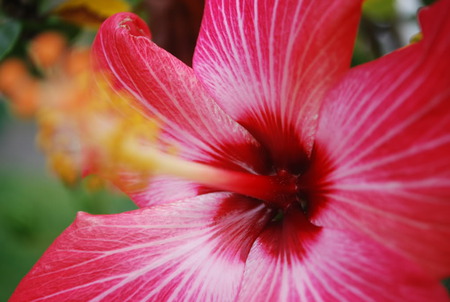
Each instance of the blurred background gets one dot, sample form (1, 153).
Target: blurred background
(44, 51)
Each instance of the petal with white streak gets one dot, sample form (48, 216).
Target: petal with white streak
(160, 189)
(295, 261)
(166, 89)
(268, 64)
(381, 162)
(192, 250)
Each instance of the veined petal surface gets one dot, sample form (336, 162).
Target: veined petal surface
(381, 162)
(295, 261)
(166, 89)
(158, 189)
(192, 250)
(268, 64)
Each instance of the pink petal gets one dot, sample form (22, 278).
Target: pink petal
(268, 63)
(381, 164)
(160, 189)
(295, 261)
(167, 89)
(193, 250)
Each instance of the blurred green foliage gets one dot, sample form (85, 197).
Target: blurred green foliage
(34, 210)
(9, 33)
(3, 112)
(46, 5)
(380, 10)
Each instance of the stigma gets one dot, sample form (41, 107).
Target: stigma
(132, 151)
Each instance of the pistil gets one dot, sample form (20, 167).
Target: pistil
(276, 191)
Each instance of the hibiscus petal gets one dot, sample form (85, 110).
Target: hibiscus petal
(381, 163)
(295, 261)
(193, 250)
(166, 89)
(268, 63)
(159, 189)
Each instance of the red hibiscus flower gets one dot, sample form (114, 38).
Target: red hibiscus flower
(301, 180)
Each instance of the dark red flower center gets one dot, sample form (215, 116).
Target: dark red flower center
(288, 193)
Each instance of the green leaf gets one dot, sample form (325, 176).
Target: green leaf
(9, 33)
(133, 3)
(48, 5)
(380, 10)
